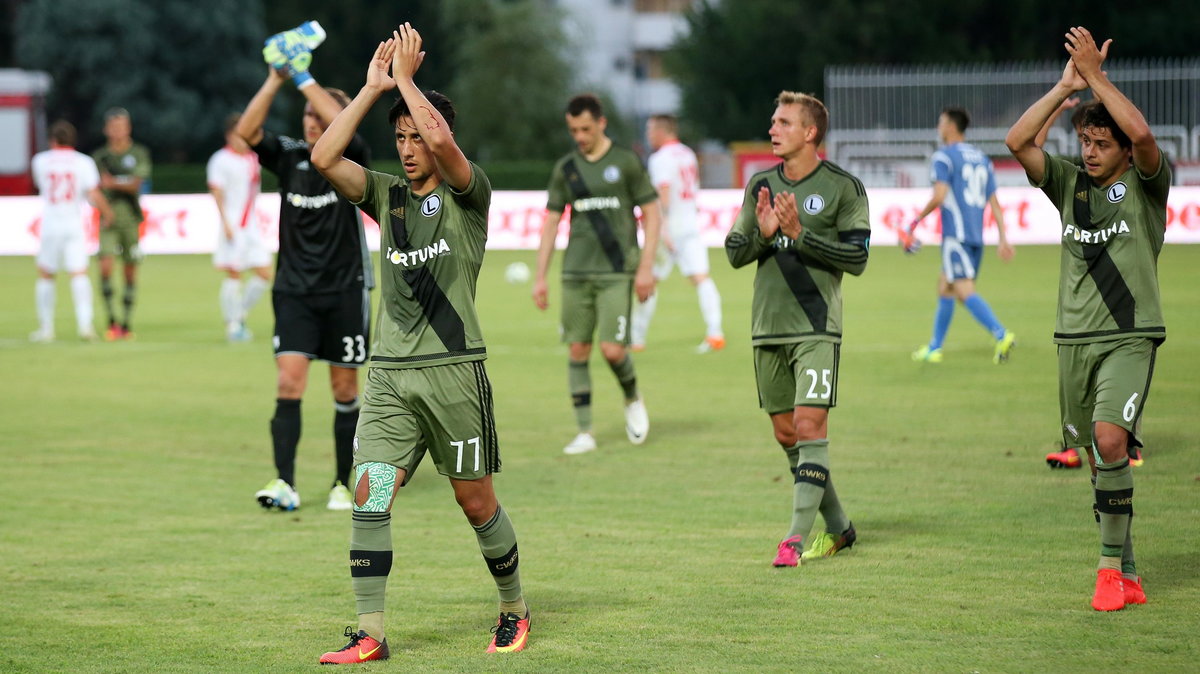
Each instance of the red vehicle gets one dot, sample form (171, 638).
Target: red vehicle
(22, 126)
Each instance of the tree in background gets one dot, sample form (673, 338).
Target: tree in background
(511, 79)
(178, 70)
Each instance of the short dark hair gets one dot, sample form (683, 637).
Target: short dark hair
(115, 112)
(1077, 116)
(231, 121)
(585, 103)
(1096, 115)
(63, 133)
(668, 123)
(438, 100)
(958, 116)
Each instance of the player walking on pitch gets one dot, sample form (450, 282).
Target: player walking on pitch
(124, 169)
(1110, 321)
(65, 178)
(964, 183)
(323, 278)
(797, 306)
(234, 180)
(675, 173)
(602, 183)
(427, 389)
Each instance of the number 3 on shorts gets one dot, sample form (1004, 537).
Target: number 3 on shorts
(356, 349)
(1130, 409)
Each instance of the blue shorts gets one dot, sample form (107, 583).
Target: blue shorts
(960, 260)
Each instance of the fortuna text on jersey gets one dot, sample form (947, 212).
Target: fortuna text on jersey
(1098, 236)
(413, 258)
(596, 204)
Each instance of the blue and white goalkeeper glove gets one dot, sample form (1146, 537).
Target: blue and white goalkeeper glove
(290, 52)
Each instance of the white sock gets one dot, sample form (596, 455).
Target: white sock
(255, 287)
(43, 294)
(231, 300)
(642, 313)
(710, 307)
(81, 292)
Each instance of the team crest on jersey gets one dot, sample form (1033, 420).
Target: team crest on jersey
(814, 204)
(1117, 192)
(431, 205)
(130, 161)
(612, 174)
(302, 166)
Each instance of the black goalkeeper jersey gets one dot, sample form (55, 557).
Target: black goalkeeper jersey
(322, 247)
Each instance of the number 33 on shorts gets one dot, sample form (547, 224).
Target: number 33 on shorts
(355, 349)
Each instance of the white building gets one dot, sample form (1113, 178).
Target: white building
(618, 46)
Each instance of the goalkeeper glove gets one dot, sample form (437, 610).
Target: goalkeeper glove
(910, 242)
(290, 52)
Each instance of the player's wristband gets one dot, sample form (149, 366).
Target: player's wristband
(302, 79)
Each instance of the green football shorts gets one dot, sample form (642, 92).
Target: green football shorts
(596, 309)
(800, 374)
(121, 240)
(445, 410)
(1103, 381)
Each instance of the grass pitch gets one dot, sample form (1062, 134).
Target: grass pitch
(130, 539)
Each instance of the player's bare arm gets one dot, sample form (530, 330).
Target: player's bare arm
(1071, 102)
(541, 294)
(788, 215)
(1022, 137)
(643, 280)
(346, 176)
(452, 164)
(940, 190)
(96, 198)
(1005, 249)
(664, 207)
(768, 224)
(1088, 58)
(219, 196)
(250, 124)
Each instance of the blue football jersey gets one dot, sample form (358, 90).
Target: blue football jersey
(972, 182)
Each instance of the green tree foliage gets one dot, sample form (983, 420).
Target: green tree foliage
(511, 78)
(177, 69)
(740, 54)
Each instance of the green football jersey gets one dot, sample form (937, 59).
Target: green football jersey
(603, 241)
(133, 162)
(431, 249)
(798, 283)
(1111, 238)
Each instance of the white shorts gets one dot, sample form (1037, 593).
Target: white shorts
(64, 250)
(690, 254)
(247, 250)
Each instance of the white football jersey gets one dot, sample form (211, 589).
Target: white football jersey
(63, 178)
(238, 177)
(674, 166)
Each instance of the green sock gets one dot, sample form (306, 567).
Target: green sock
(812, 474)
(793, 455)
(498, 543)
(370, 561)
(1128, 566)
(580, 382)
(836, 520)
(1114, 502)
(626, 377)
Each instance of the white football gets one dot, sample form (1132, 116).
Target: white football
(517, 272)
